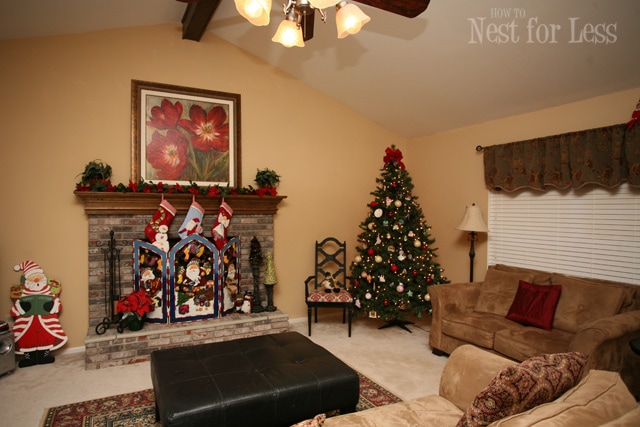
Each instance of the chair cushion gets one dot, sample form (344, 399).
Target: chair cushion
(319, 295)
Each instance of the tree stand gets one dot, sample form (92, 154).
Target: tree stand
(399, 323)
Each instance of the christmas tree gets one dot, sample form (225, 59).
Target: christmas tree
(395, 262)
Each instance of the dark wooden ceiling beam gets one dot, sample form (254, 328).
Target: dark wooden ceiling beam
(410, 9)
(196, 18)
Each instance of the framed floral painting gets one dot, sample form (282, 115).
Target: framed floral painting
(182, 135)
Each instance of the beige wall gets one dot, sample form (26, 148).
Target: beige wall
(448, 172)
(66, 101)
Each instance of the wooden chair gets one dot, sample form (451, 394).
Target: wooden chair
(328, 286)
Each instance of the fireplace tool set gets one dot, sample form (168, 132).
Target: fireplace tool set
(112, 286)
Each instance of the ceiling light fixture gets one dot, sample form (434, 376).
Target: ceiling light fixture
(289, 33)
(297, 26)
(255, 11)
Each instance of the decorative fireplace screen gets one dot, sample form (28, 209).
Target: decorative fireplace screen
(193, 280)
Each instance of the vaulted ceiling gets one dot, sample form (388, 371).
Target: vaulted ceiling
(458, 63)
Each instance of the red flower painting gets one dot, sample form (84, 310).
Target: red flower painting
(189, 141)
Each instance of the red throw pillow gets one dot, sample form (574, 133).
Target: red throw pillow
(535, 305)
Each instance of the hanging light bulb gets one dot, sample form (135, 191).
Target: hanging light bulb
(323, 4)
(349, 19)
(255, 11)
(289, 34)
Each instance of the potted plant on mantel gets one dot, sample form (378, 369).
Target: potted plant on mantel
(267, 178)
(95, 172)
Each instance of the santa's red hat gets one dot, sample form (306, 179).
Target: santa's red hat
(29, 267)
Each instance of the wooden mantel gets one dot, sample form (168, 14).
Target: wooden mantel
(104, 203)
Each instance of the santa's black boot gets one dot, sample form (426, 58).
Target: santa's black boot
(30, 359)
(45, 356)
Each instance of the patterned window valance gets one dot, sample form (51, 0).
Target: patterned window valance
(604, 156)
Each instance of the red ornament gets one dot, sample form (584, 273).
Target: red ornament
(373, 204)
(385, 302)
(415, 273)
(394, 268)
(370, 251)
(390, 214)
(428, 279)
(394, 185)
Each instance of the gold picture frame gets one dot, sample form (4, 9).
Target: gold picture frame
(183, 135)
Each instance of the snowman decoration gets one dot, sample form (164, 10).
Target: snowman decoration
(37, 330)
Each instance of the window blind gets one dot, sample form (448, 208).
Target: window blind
(592, 232)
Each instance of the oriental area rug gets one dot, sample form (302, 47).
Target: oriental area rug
(138, 409)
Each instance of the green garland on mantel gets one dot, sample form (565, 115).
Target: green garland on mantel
(105, 186)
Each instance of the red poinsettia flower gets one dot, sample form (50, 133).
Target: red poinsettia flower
(209, 130)
(133, 186)
(137, 302)
(168, 154)
(213, 191)
(165, 116)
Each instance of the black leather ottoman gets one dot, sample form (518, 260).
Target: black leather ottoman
(270, 380)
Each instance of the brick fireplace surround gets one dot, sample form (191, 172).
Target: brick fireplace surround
(127, 214)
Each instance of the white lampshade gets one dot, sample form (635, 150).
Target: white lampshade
(289, 34)
(349, 19)
(473, 220)
(323, 4)
(255, 11)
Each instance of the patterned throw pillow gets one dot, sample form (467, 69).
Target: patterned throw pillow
(316, 421)
(521, 387)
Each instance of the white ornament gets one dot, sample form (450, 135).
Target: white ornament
(377, 213)
(358, 258)
(367, 295)
(427, 297)
(397, 203)
(378, 258)
(417, 243)
(400, 288)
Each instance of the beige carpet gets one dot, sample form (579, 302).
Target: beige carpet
(398, 360)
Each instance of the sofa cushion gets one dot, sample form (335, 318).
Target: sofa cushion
(424, 411)
(583, 301)
(535, 305)
(475, 328)
(524, 342)
(498, 290)
(540, 277)
(524, 386)
(599, 398)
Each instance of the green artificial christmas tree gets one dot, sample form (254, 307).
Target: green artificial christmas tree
(395, 262)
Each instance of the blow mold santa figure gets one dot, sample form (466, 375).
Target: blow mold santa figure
(37, 330)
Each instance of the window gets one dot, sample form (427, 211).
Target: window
(588, 232)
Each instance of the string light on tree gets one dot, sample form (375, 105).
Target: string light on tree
(394, 264)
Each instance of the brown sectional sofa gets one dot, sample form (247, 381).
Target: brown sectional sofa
(599, 399)
(596, 317)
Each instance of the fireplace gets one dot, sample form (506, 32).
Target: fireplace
(124, 216)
